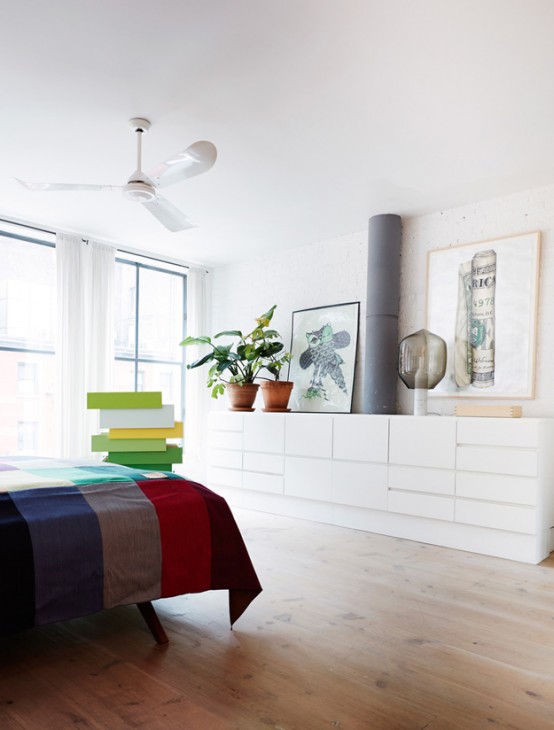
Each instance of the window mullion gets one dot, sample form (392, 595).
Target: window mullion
(185, 330)
(137, 285)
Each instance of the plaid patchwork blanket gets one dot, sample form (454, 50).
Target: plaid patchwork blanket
(79, 537)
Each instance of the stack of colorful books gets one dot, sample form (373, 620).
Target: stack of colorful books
(139, 427)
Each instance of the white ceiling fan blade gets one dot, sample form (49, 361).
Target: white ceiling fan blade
(197, 158)
(64, 186)
(170, 216)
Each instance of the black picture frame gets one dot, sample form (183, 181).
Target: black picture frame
(324, 344)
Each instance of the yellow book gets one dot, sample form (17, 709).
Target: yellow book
(148, 433)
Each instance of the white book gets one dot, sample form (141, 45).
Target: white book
(163, 417)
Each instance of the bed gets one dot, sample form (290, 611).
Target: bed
(79, 537)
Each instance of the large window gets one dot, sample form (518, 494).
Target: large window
(150, 322)
(27, 340)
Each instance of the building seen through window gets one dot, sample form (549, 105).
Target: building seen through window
(150, 321)
(149, 324)
(27, 343)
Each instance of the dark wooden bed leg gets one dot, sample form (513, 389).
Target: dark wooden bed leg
(153, 622)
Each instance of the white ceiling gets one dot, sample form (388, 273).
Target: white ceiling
(324, 112)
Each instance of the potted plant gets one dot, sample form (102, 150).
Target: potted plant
(235, 368)
(275, 392)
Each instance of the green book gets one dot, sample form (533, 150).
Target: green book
(108, 401)
(173, 455)
(153, 467)
(102, 442)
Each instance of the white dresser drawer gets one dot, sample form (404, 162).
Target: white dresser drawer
(229, 459)
(271, 483)
(309, 435)
(497, 488)
(498, 432)
(225, 421)
(264, 432)
(219, 476)
(309, 478)
(361, 438)
(422, 505)
(269, 463)
(422, 479)
(498, 460)
(499, 516)
(360, 485)
(226, 440)
(423, 441)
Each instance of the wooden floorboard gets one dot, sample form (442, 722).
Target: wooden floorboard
(353, 631)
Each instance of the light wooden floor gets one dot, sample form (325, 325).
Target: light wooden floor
(353, 631)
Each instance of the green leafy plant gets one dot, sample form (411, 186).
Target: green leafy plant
(241, 364)
(269, 343)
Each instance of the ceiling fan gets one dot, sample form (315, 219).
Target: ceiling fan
(143, 188)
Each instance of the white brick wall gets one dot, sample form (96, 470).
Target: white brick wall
(531, 210)
(327, 272)
(334, 271)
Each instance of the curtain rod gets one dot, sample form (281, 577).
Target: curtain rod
(128, 249)
(15, 222)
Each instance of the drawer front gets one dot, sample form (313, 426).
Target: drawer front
(271, 483)
(360, 485)
(269, 463)
(218, 476)
(421, 479)
(264, 432)
(225, 440)
(229, 459)
(423, 441)
(308, 478)
(421, 505)
(309, 435)
(499, 516)
(497, 488)
(498, 460)
(498, 432)
(225, 421)
(361, 438)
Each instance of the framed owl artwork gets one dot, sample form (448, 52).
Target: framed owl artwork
(324, 342)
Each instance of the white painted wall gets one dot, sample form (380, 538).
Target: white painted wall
(532, 210)
(327, 272)
(335, 271)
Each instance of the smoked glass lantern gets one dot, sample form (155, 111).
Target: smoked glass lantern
(422, 365)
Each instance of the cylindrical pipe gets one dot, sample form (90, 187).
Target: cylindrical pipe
(383, 294)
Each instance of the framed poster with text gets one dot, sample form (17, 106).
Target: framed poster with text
(482, 300)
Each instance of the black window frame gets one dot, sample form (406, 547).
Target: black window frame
(136, 359)
(29, 239)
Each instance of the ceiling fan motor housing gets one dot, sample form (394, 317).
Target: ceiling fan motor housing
(139, 191)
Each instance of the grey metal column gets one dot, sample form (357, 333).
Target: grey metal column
(383, 294)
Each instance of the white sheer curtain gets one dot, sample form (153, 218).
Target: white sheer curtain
(196, 393)
(84, 350)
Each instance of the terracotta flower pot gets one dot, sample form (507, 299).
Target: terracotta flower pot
(242, 397)
(276, 394)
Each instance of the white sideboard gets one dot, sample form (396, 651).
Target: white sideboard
(484, 485)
